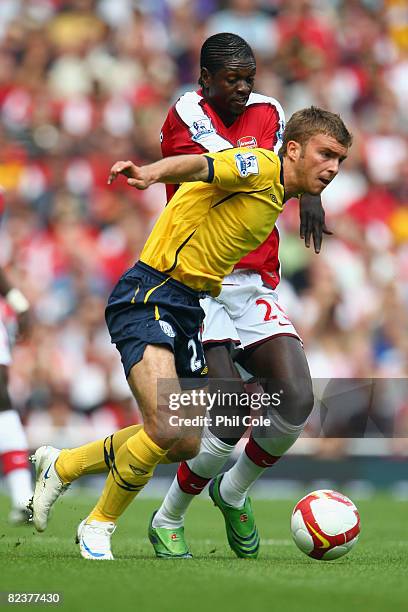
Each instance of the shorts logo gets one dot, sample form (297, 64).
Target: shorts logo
(167, 329)
(200, 128)
(246, 163)
(247, 141)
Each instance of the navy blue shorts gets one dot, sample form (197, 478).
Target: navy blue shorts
(149, 307)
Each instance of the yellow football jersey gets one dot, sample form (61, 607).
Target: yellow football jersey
(206, 228)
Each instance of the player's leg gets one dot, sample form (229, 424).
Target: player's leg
(192, 476)
(154, 355)
(57, 469)
(137, 458)
(166, 526)
(279, 360)
(273, 351)
(13, 449)
(93, 458)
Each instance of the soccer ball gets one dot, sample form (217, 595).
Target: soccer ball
(325, 525)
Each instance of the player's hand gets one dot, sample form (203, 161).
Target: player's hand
(312, 220)
(136, 175)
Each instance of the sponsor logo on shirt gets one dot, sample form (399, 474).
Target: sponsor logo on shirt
(247, 141)
(246, 163)
(201, 128)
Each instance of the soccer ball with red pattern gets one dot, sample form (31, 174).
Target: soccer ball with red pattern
(325, 525)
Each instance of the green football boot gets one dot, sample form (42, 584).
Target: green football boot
(242, 533)
(168, 543)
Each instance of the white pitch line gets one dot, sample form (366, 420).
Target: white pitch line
(136, 541)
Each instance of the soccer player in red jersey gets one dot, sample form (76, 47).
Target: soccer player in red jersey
(225, 113)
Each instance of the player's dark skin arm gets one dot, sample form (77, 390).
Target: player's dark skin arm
(312, 220)
(4, 284)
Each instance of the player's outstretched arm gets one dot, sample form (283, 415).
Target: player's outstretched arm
(312, 220)
(179, 169)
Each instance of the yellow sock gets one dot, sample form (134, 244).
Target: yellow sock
(93, 458)
(132, 469)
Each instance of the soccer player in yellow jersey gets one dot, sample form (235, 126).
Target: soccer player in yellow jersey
(226, 207)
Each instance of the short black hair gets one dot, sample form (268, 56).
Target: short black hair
(219, 49)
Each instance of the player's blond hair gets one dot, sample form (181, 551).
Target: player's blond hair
(308, 122)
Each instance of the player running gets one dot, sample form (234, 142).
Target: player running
(154, 312)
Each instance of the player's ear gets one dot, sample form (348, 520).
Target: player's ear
(293, 150)
(205, 77)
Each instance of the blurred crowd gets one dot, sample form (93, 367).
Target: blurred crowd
(84, 83)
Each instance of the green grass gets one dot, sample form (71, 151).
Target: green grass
(372, 577)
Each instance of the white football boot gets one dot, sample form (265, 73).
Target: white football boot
(48, 485)
(94, 540)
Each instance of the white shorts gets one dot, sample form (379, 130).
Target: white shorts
(246, 312)
(5, 355)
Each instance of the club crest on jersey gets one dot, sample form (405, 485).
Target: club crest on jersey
(279, 135)
(247, 141)
(167, 329)
(246, 163)
(200, 128)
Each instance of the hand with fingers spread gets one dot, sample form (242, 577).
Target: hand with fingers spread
(137, 175)
(312, 220)
(177, 169)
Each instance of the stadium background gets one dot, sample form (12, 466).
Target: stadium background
(86, 82)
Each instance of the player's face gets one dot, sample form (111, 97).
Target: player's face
(229, 88)
(319, 162)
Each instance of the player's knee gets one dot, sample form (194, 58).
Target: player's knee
(297, 402)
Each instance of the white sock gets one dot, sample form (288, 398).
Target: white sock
(19, 486)
(207, 464)
(258, 455)
(13, 438)
(12, 435)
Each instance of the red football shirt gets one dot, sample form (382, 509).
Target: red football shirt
(192, 126)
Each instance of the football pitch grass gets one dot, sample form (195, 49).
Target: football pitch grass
(372, 577)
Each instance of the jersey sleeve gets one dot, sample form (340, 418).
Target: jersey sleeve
(244, 170)
(273, 123)
(175, 139)
(186, 130)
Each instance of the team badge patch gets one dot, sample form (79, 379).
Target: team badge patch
(246, 163)
(247, 141)
(167, 329)
(200, 128)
